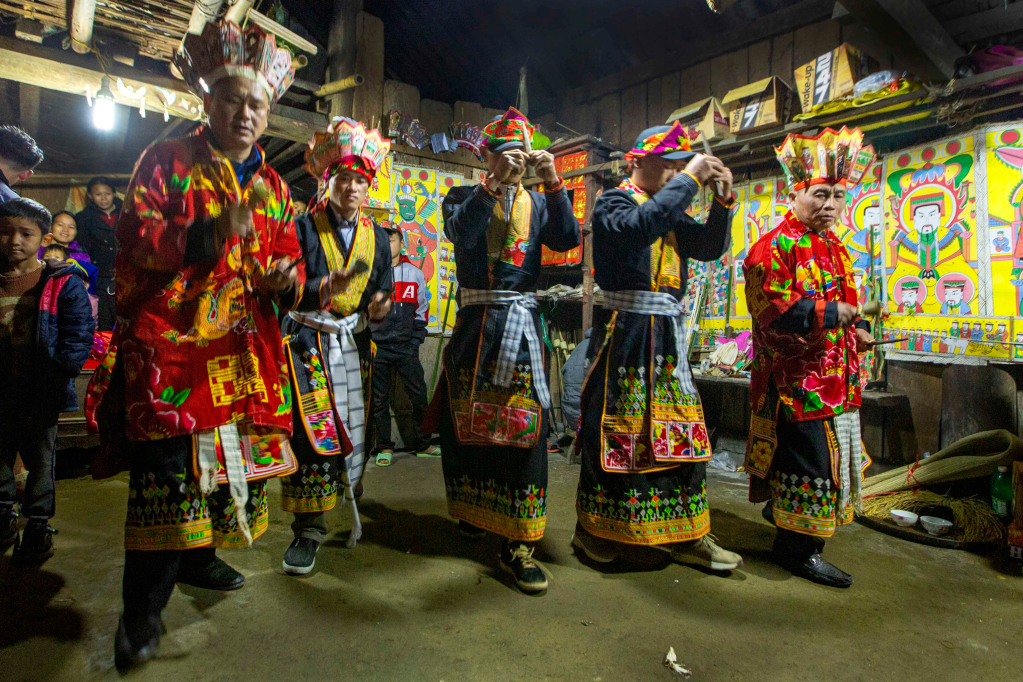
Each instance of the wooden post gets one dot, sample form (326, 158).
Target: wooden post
(341, 50)
(369, 62)
(29, 106)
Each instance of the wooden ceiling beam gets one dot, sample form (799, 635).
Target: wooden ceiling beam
(52, 69)
(912, 33)
(993, 22)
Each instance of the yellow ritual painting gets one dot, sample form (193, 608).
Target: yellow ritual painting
(930, 240)
(1005, 194)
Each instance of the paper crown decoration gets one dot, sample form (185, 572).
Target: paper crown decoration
(672, 139)
(832, 157)
(223, 49)
(467, 136)
(346, 141)
(509, 131)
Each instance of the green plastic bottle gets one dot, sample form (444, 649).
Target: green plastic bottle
(1001, 493)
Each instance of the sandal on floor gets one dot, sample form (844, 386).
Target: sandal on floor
(384, 458)
(432, 451)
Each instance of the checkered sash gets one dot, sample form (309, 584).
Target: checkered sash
(847, 430)
(234, 466)
(665, 305)
(519, 324)
(346, 380)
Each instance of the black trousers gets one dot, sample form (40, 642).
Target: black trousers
(405, 360)
(36, 443)
(149, 579)
(107, 311)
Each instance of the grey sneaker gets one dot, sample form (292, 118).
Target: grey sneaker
(705, 552)
(597, 549)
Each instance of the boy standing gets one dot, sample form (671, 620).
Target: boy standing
(46, 330)
(96, 224)
(398, 339)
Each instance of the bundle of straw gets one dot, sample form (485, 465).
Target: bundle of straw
(974, 520)
(978, 455)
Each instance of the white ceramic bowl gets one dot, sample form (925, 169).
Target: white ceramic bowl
(903, 518)
(935, 525)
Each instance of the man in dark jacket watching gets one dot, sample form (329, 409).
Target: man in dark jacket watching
(398, 338)
(19, 156)
(96, 224)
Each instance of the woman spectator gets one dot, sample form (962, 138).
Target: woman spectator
(96, 235)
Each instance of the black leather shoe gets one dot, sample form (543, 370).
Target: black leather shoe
(216, 575)
(8, 530)
(768, 513)
(36, 544)
(126, 655)
(301, 556)
(817, 570)
(470, 531)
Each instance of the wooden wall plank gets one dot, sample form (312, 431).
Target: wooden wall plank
(862, 37)
(653, 103)
(670, 96)
(694, 83)
(759, 60)
(435, 116)
(814, 40)
(469, 112)
(401, 96)
(609, 119)
(781, 57)
(729, 71)
(634, 113)
(368, 103)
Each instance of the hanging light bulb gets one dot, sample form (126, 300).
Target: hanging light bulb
(103, 106)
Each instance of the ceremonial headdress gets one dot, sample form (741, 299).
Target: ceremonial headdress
(508, 132)
(832, 157)
(668, 142)
(346, 145)
(955, 284)
(224, 49)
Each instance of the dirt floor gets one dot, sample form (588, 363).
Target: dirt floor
(416, 601)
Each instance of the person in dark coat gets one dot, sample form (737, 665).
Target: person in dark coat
(644, 443)
(46, 331)
(398, 338)
(96, 224)
(493, 402)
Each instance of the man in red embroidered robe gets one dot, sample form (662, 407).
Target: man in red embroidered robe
(643, 440)
(196, 379)
(804, 451)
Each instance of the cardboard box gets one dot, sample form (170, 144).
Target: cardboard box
(832, 75)
(706, 116)
(764, 104)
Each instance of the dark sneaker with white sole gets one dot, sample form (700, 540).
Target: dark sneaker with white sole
(301, 556)
(517, 559)
(36, 544)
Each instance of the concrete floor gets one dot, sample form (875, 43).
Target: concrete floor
(416, 601)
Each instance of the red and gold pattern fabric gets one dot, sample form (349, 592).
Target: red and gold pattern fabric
(196, 347)
(816, 376)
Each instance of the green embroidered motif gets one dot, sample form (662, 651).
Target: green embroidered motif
(651, 506)
(631, 399)
(527, 503)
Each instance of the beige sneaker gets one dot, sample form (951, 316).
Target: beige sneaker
(705, 552)
(598, 549)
